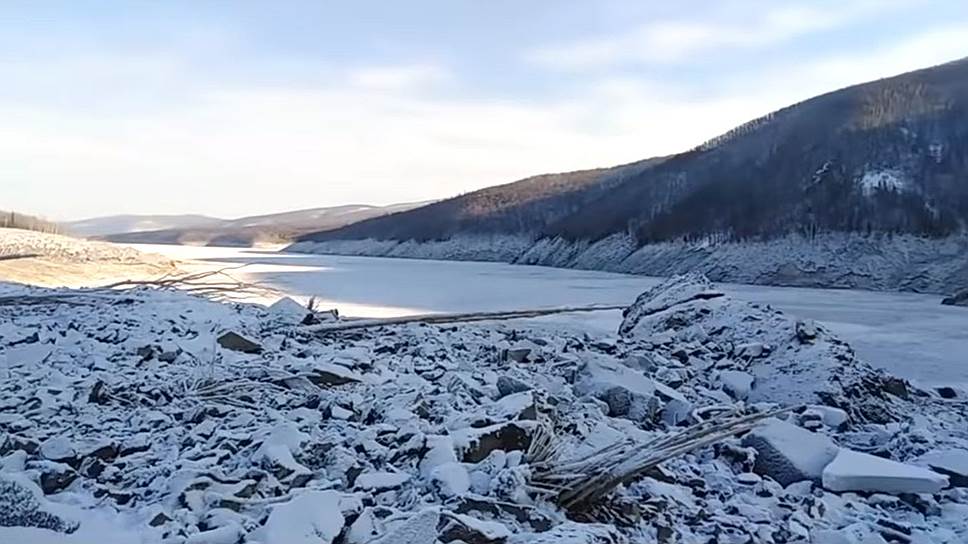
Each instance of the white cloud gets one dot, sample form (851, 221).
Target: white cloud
(672, 41)
(399, 78)
(236, 148)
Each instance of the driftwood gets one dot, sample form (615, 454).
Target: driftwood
(576, 484)
(436, 319)
(16, 256)
(212, 284)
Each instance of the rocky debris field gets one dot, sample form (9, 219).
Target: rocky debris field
(184, 420)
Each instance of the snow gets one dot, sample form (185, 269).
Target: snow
(883, 180)
(381, 480)
(908, 334)
(857, 471)
(313, 517)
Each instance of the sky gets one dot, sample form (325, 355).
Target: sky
(232, 108)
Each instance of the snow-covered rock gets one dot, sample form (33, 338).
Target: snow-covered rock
(855, 471)
(22, 504)
(313, 517)
(788, 453)
(951, 463)
(288, 311)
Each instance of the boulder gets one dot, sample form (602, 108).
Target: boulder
(855, 471)
(627, 392)
(951, 463)
(958, 299)
(788, 453)
(507, 385)
(236, 342)
(736, 384)
(672, 292)
(419, 529)
(22, 505)
(479, 443)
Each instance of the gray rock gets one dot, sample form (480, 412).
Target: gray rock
(958, 299)
(788, 453)
(420, 529)
(236, 342)
(506, 437)
(507, 385)
(21, 505)
(627, 392)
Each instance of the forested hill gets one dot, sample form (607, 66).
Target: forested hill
(887, 156)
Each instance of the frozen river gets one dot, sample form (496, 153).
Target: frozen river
(910, 335)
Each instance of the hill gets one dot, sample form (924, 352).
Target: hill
(875, 161)
(246, 231)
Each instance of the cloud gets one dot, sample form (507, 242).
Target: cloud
(375, 134)
(674, 41)
(399, 78)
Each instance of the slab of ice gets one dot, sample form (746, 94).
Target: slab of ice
(856, 471)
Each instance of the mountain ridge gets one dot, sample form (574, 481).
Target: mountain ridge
(888, 157)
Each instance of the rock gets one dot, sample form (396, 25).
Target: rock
(312, 517)
(479, 443)
(951, 463)
(736, 384)
(23, 505)
(856, 471)
(522, 352)
(236, 342)
(835, 418)
(627, 392)
(329, 375)
(451, 479)
(55, 477)
(958, 299)
(288, 311)
(788, 453)
(806, 331)
(672, 292)
(381, 481)
(59, 449)
(947, 392)
(573, 533)
(507, 385)
(419, 529)
(469, 530)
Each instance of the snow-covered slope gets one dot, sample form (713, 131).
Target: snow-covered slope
(881, 262)
(126, 407)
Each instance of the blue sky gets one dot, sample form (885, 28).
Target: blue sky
(231, 108)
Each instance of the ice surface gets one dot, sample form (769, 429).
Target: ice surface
(910, 335)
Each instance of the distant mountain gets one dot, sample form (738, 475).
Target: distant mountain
(886, 158)
(245, 231)
(118, 224)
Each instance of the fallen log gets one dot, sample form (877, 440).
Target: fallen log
(436, 319)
